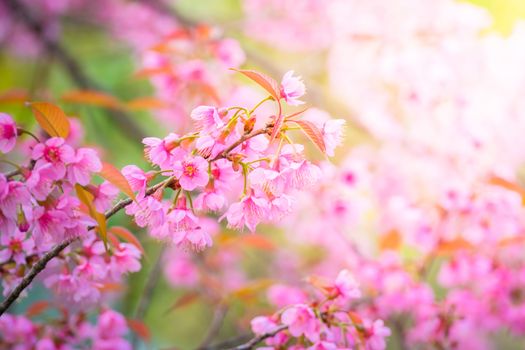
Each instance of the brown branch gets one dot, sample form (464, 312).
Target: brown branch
(57, 249)
(256, 340)
(215, 326)
(72, 67)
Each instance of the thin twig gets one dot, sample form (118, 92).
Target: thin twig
(71, 65)
(57, 249)
(256, 340)
(41, 264)
(215, 326)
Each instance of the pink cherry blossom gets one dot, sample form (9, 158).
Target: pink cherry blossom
(301, 320)
(376, 334)
(55, 152)
(162, 152)
(292, 88)
(103, 195)
(85, 163)
(346, 285)
(249, 212)
(137, 179)
(207, 118)
(192, 172)
(8, 133)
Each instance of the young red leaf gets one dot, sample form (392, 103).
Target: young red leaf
(124, 233)
(184, 300)
(266, 82)
(257, 241)
(51, 118)
(113, 175)
(146, 103)
(91, 97)
(14, 96)
(37, 308)
(313, 133)
(140, 329)
(87, 198)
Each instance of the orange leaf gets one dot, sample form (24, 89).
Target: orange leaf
(110, 287)
(140, 329)
(266, 82)
(390, 241)
(50, 118)
(92, 97)
(313, 133)
(124, 233)
(37, 308)
(113, 175)
(257, 241)
(146, 103)
(270, 85)
(184, 300)
(511, 186)
(251, 289)
(87, 198)
(149, 72)
(450, 247)
(14, 96)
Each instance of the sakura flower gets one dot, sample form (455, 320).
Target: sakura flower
(185, 230)
(229, 53)
(249, 211)
(301, 320)
(210, 199)
(40, 181)
(346, 286)
(85, 163)
(137, 179)
(15, 194)
(162, 152)
(103, 196)
(55, 152)
(292, 88)
(17, 247)
(147, 211)
(192, 172)
(111, 325)
(179, 270)
(125, 258)
(223, 174)
(323, 345)
(207, 118)
(8, 133)
(376, 334)
(333, 134)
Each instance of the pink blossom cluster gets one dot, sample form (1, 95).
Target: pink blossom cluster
(187, 68)
(325, 321)
(71, 331)
(39, 208)
(230, 166)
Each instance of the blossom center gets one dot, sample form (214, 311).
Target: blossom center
(52, 154)
(189, 169)
(7, 131)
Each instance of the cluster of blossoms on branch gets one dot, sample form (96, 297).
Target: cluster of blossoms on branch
(40, 207)
(241, 164)
(67, 332)
(325, 321)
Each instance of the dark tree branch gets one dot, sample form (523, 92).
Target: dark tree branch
(72, 67)
(56, 250)
(215, 326)
(256, 340)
